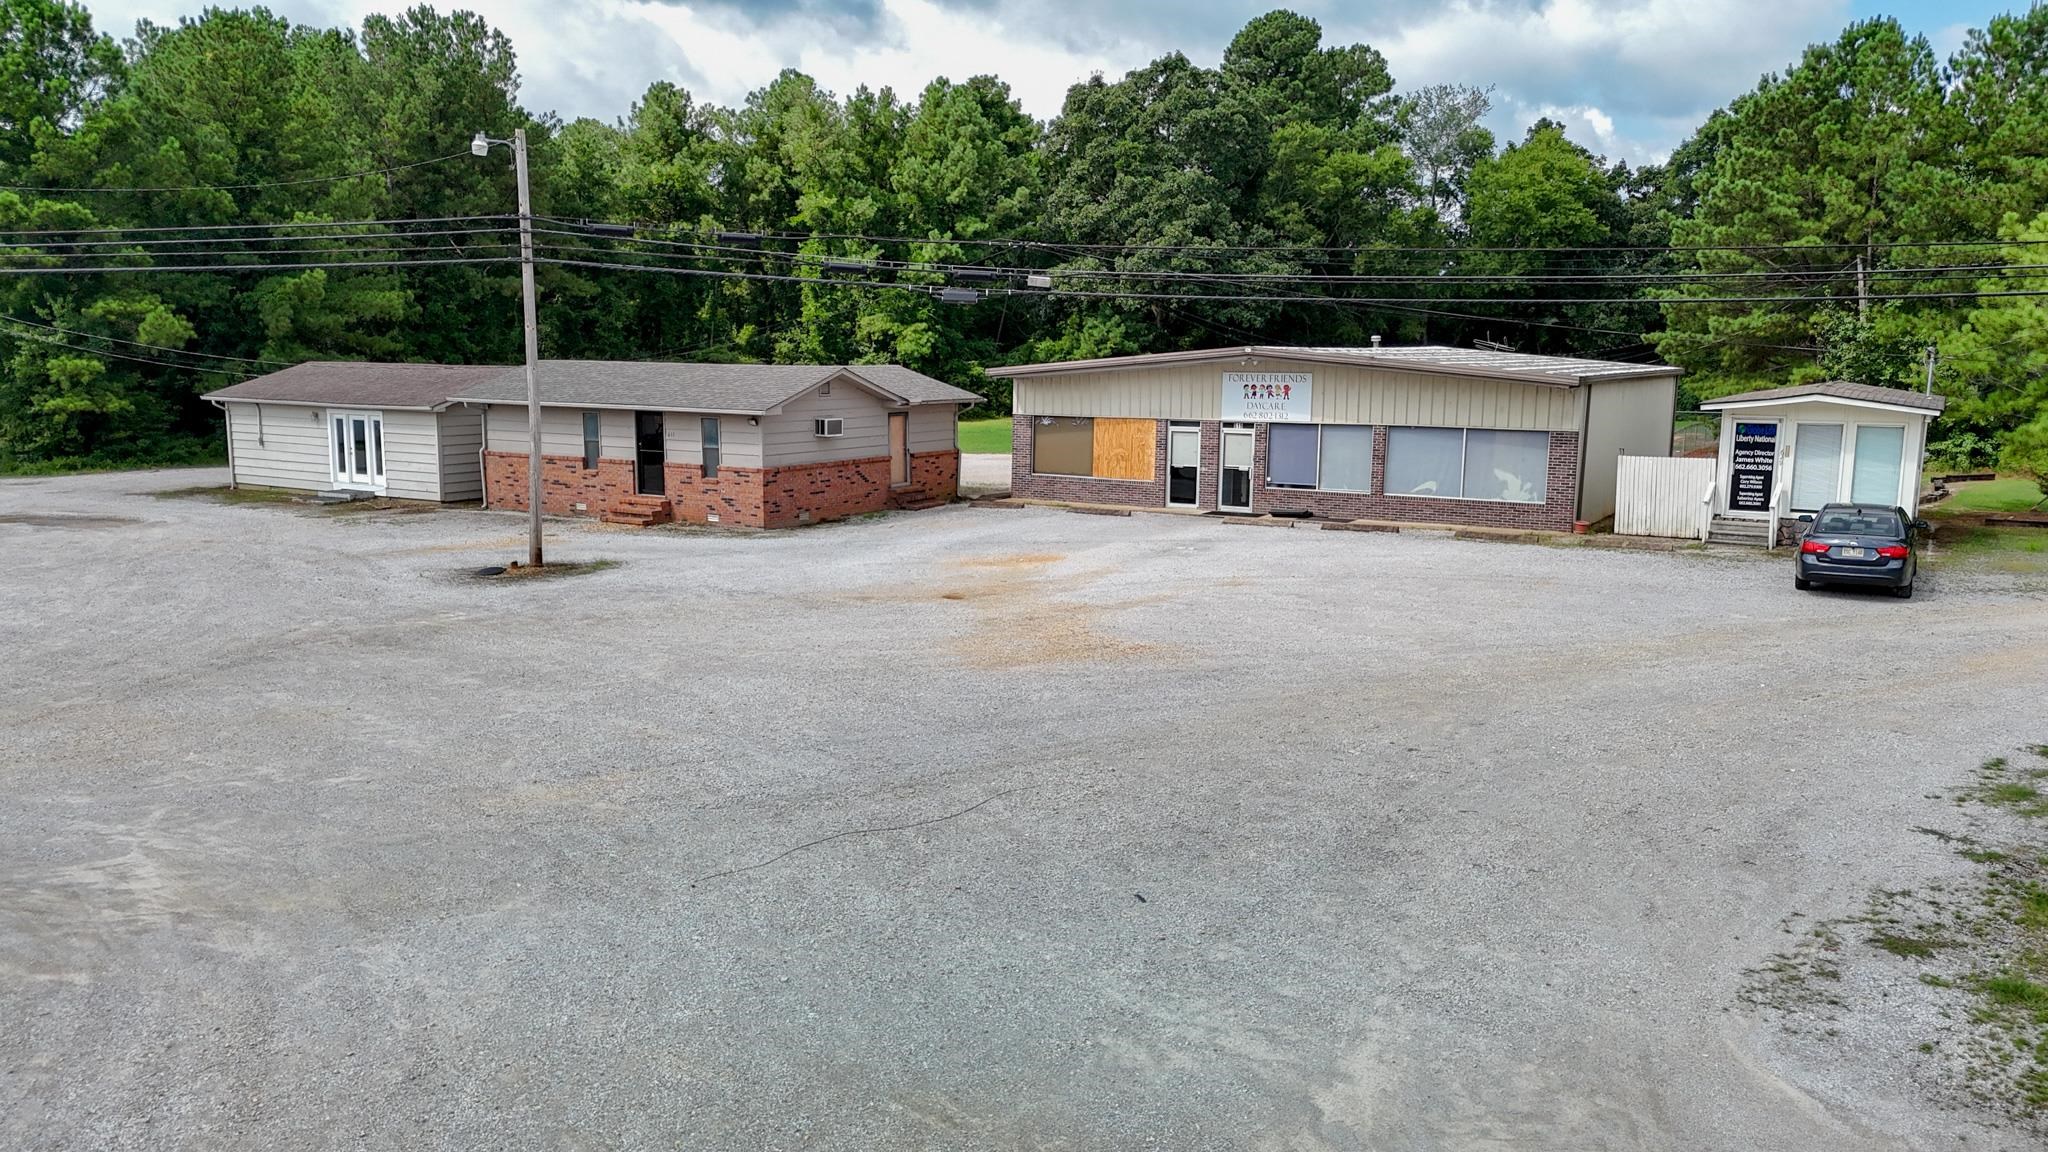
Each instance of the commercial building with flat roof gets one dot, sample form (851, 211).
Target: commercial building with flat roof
(1420, 433)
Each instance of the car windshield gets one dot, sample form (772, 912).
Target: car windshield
(1849, 522)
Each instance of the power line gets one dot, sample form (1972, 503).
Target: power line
(39, 245)
(140, 344)
(40, 338)
(46, 271)
(245, 187)
(286, 224)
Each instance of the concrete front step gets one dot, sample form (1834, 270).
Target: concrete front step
(1755, 533)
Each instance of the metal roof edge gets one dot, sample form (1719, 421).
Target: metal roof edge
(1361, 360)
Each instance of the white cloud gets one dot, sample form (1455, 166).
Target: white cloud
(1629, 76)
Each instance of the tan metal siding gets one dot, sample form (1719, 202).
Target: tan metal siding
(462, 435)
(294, 448)
(1343, 395)
(791, 438)
(1624, 417)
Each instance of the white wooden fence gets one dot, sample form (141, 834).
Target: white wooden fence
(1663, 495)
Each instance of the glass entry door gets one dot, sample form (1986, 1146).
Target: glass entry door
(1183, 467)
(650, 455)
(358, 441)
(1234, 486)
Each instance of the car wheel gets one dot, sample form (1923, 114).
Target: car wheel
(1801, 583)
(1903, 591)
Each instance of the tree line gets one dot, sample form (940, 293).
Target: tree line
(164, 202)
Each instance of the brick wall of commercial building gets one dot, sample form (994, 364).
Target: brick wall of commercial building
(1083, 489)
(750, 497)
(1555, 513)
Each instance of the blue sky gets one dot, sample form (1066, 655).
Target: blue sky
(1629, 78)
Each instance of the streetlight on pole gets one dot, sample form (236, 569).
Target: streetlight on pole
(479, 146)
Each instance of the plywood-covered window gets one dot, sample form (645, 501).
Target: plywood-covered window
(1123, 449)
(1102, 447)
(1063, 445)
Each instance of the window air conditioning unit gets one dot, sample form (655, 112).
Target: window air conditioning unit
(829, 426)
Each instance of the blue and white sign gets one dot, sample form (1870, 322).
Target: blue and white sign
(1267, 397)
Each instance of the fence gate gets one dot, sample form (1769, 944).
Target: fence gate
(1661, 495)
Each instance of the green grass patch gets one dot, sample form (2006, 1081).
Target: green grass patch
(2010, 494)
(986, 435)
(1908, 947)
(222, 494)
(2012, 990)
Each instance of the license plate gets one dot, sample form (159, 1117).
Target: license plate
(1852, 553)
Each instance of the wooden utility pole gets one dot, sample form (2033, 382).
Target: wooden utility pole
(533, 489)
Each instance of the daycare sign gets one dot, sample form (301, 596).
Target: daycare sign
(1267, 397)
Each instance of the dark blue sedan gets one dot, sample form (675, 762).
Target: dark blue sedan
(1858, 544)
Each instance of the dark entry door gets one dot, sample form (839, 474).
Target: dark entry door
(651, 452)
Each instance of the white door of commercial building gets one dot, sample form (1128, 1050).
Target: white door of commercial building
(1234, 479)
(1183, 466)
(357, 442)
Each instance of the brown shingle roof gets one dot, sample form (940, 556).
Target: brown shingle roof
(1840, 390)
(359, 384)
(700, 387)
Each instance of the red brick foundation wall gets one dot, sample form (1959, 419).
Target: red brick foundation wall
(1560, 496)
(749, 497)
(564, 483)
(933, 476)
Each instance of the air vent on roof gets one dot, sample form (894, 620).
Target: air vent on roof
(829, 426)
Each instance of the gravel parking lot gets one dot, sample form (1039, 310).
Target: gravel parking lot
(1200, 835)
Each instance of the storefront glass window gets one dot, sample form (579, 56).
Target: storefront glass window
(1347, 458)
(1063, 445)
(1506, 465)
(1425, 461)
(1291, 455)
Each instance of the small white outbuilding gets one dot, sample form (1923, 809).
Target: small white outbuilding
(348, 426)
(1786, 451)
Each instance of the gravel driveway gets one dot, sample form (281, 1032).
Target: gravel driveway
(1203, 836)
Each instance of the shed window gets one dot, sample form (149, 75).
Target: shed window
(1874, 478)
(1508, 466)
(592, 441)
(1291, 451)
(710, 428)
(1063, 445)
(1346, 458)
(1425, 461)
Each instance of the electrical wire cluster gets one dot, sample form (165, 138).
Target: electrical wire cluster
(1432, 281)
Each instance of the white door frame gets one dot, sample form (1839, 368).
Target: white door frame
(1251, 466)
(362, 470)
(1194, 430)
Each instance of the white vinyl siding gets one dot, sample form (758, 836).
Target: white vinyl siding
(412, 456)
(1797, 420)
(739, 443)
(1343, 394)
(282, 446)
(933, 428)
(561, 431)
(791, 438)
(462, 436)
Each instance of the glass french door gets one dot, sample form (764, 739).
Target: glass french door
(358, 441)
